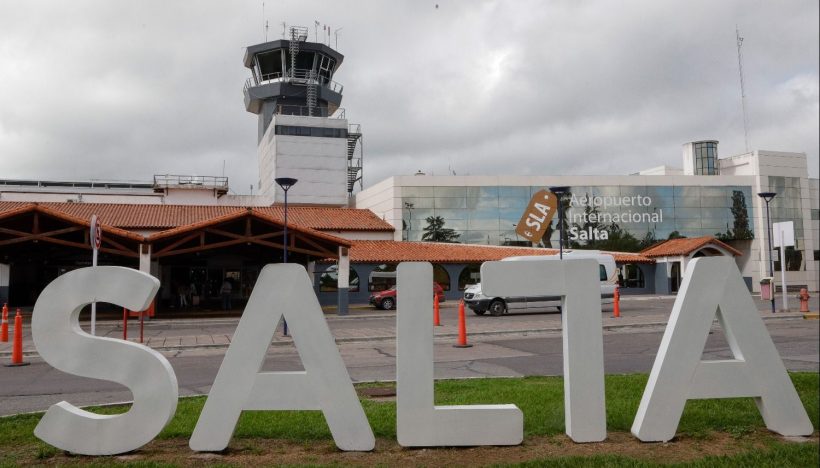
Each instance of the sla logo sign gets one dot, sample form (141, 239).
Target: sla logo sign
(590, 215)
(536, 218)
(711, 286)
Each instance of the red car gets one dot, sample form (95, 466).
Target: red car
(387, 299)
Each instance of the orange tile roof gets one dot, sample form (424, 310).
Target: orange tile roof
(685, 246)
(370, 251)
(241, 213)
(134, 216)
(10, 209)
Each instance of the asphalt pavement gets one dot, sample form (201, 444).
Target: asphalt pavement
(508, 346)
(365, 323)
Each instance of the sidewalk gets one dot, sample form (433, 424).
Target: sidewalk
(369, 324)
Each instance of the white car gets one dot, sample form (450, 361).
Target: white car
(481, 304)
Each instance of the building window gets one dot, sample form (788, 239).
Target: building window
(794, 259)
(705, 154)
(382, 278)
(297, 130)
(471, 274)
(441, 277)
(329, 280)
(633, 276)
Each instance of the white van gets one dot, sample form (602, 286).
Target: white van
(481, 304)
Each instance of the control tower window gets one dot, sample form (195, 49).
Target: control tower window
(304, 62)
(269, 65)
(326, 66)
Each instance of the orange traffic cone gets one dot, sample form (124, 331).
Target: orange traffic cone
(436, 312)
(462, 327)
(4, 327)
(616, 308)
(17, 346)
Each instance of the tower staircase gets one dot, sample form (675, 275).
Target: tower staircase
(354, 160)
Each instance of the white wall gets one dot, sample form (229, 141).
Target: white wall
(320, 164)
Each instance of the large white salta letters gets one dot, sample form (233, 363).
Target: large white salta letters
(61, 342)
(714, 286)
(283, 290)
(418, 422)
(581, 328)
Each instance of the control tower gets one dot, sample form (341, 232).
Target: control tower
(303, 133)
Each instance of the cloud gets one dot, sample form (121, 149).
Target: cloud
(97, 89)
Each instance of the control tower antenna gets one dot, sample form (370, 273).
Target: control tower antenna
(742, 89)
(264, 23)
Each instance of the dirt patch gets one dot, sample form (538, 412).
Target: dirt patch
(255, 452)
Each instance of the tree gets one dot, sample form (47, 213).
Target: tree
(619, 240)
(436, 232)
(648, 240)
(562, 225)
(741, 214)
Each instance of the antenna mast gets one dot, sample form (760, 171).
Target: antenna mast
(742, 89)
(264, 23)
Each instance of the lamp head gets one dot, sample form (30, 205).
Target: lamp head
(559, 191)
(767, 196)
(286, 182)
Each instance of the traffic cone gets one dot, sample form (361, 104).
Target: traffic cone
(616, 308)
(462, 327)
(17, 346)
(4, 327)
(436, 312)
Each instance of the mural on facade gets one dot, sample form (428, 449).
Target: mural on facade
(623, 218)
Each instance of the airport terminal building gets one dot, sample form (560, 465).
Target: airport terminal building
(708, 197)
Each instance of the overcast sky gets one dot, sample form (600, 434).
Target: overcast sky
(126, 90)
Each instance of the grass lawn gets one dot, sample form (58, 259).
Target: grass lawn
(727, 432)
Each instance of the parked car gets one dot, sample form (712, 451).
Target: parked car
(386, 299)
(481, 304)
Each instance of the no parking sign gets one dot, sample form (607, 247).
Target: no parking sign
(96, 233)
(96, 241)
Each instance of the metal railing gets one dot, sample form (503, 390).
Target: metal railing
(93, 183)
(301, 76)
(304, 111)
(176, 181)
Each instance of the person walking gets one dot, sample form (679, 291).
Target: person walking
(183, 296)
(225, 291)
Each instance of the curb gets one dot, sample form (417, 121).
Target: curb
(365, 339)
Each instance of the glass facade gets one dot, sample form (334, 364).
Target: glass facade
(787, 206)
(705, 154)
(605, 216)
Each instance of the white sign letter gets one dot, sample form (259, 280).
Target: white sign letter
(582, 331)
(283, 290)
(714, 285)
(58, 338)
(418, 422)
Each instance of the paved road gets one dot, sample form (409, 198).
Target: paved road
(516, 345)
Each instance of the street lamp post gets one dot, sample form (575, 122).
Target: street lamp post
(767, 197)
(286, 183)
(559, 192)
